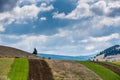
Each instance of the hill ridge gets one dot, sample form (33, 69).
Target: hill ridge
(11, 52)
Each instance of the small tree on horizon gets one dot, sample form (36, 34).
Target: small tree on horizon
(35, 51)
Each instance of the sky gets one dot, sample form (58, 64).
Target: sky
(61, 27)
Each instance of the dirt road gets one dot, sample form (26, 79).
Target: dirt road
(39, 70)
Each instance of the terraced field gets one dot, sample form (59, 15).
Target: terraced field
(104, 73)
(110, 66)
(37, 69)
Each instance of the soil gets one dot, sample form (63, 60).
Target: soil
(111, 67)
(39, 70)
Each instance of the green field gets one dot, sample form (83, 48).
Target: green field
(116, 63)
(103, 72)
(5, 66)
(19, 70)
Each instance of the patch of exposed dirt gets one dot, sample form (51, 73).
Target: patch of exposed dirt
(69, 70)
(111, 67)
(39, 70)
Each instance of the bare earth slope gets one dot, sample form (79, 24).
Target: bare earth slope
(39, 70)
(10, 52)
(68, 70)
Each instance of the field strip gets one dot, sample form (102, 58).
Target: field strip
(71, 70)
(105, 73)
(116, 63)
(19, 69)
(39, 70)
(5, 66)
(111, 67)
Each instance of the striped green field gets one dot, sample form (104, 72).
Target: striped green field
(116, 63)
(19, 69)
(103, 72)
(5, 66)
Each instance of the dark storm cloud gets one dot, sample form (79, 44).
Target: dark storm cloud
(7, 5)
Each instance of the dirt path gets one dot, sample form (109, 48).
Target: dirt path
(39, 70)
(111, 67)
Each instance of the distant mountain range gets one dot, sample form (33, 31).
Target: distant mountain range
(60, 57)
(109, 54)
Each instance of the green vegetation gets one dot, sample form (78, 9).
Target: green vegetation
(5, 66)
(19, 69)
(103, 72)
(116, 63)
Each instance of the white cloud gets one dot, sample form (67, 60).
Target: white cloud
(44, 7)
(30, 11)
(19, 15)
(73, 39)
(102, 39)
(26, 12)
(89, 47)
(99, 8)
(34, 1)
(43, 19)
(81, 11)
(103, 13)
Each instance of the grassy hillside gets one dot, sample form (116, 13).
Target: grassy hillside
(105, 73)
(19, 69)
(110, 66)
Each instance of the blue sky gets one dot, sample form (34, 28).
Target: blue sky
(62, 27)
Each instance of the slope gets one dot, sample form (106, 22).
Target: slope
(9, 52)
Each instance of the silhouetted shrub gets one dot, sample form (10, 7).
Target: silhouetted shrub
(35, 51)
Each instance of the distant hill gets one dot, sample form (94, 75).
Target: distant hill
(109, 54)
(60, 57)
(9, 52)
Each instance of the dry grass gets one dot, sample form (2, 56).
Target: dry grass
(4, 78)
(68, 70)
(9, 52)
(5, 65)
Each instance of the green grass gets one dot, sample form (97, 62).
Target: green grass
(103, 72)
(19, 69)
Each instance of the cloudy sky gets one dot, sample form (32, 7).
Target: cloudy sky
(62, 27)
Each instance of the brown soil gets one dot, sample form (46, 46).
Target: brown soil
(70, 70)
(111, 67)
(39, 70)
